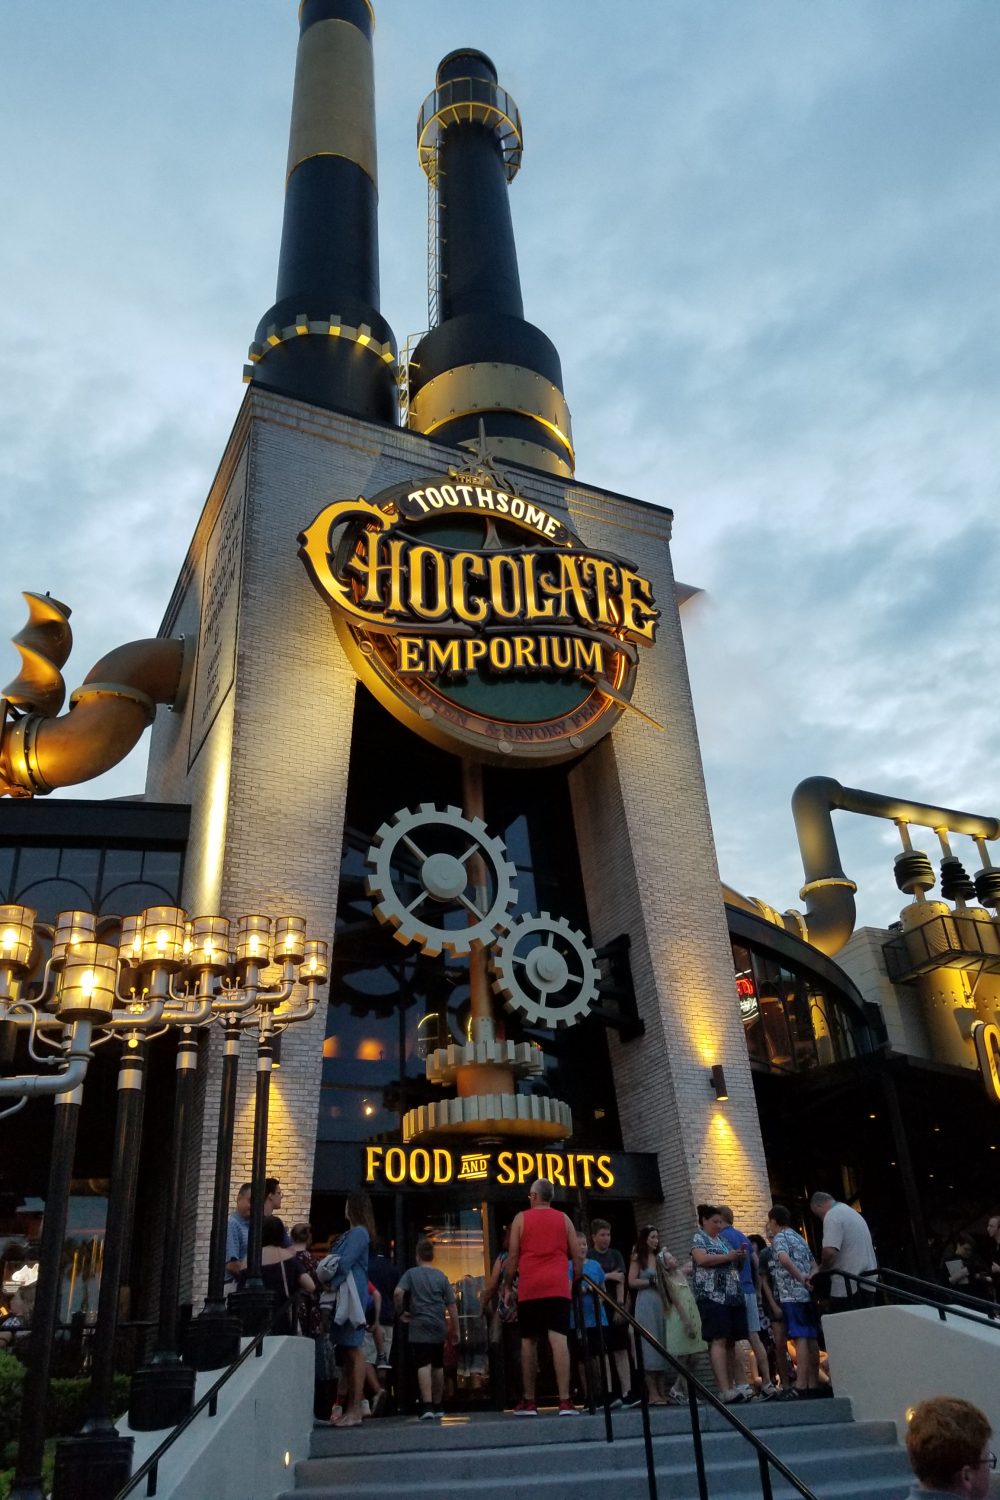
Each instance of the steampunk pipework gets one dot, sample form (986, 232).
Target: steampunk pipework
(107, 714)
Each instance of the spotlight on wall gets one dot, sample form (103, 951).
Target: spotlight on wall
(717, 1078)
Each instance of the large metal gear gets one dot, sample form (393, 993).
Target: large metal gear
(545, 970)
(424, 870)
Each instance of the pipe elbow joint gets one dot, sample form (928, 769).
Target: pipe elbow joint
(106, 719)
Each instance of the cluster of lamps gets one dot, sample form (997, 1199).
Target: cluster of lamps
(165, 969)
(132, 979)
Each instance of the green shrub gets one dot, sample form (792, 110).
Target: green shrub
(66, 1405)
(11, 1380)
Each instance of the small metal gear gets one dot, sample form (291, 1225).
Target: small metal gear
(420, 860)
(545, 970)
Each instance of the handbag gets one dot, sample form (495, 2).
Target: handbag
(348, 1310)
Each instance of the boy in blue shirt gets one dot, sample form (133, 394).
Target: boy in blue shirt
(592, 1307)
(748, 1283)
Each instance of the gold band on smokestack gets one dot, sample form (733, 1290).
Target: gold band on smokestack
(482, 362)
(324, 341)
(334, 112)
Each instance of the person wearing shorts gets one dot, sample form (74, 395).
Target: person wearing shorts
(720, 1300)
(612, 1263)
(793, 1269)
(735, 1238)
(542, 1243)
(430, 1318)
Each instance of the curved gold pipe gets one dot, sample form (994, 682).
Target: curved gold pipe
(828, 920)
(106, 719)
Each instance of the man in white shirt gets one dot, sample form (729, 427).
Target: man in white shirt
(847, 1246)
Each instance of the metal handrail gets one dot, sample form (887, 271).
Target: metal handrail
(965, 1298)
(875, 1283)
(149, 1469)
(766, 1457)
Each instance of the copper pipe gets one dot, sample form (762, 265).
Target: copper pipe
(107, 716)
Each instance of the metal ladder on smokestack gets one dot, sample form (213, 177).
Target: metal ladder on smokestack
(435, 237)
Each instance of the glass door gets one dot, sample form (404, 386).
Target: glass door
(461, 1251)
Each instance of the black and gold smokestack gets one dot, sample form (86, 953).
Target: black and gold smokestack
(324, 340)
(482, 362)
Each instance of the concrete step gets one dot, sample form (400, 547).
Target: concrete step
(483, 1456)
(500, 1429)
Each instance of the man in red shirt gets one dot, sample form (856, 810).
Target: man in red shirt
(542, 1240)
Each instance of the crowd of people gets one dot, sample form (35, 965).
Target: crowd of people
(752, 1303)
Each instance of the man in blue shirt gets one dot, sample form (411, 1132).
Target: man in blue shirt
(237, 1236)
(748, 1282)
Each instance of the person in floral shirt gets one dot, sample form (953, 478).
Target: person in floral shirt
(719, 1295)
(794, 1268)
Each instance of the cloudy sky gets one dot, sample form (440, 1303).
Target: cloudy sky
(763, 235)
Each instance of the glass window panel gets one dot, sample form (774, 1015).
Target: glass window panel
(121, 865)
(81, 865)
(37, 864)
(360, 1049)
(50, 897)
(354, 1114)
(163, 867)
(130, 899)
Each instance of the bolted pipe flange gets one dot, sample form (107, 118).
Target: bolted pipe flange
(988, 886)
(914, 871)
(955, 882)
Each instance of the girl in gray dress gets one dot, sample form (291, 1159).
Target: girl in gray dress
(649, 1310)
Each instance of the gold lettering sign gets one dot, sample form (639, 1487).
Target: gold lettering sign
(986, 1036)
(421, 1166)
(476, 616)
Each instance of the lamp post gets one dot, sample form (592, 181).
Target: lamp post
(165, 972)
(98, 1460)
(84, 995)
(214, 1335)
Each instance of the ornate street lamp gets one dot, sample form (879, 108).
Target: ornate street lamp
(77, 993)
(164, 973)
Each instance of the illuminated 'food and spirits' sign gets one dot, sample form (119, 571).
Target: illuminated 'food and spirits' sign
(423, 1166)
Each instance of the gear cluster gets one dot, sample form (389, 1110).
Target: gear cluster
(441, 881)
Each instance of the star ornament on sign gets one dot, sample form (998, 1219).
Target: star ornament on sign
(488, 468)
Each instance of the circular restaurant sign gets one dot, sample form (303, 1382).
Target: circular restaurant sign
(479, 619)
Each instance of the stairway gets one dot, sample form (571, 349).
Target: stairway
(488, 1455)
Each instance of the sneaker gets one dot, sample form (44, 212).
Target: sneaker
(567, 1409)
(366, 1410)
(747, 1392)
(676, 1398)
(525, 1408)
(427, 1416)
(790, 1393)
(615, 1404)
(439, 1416)
(736, 1397)
(769, 1391)
(631, 1400)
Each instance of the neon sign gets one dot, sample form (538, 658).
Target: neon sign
(476, 616)
(437, 1166)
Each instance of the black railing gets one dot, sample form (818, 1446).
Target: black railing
(946, 1302)
(767, 1459)
(150, 1469)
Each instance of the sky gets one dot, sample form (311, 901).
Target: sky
(763, 236)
